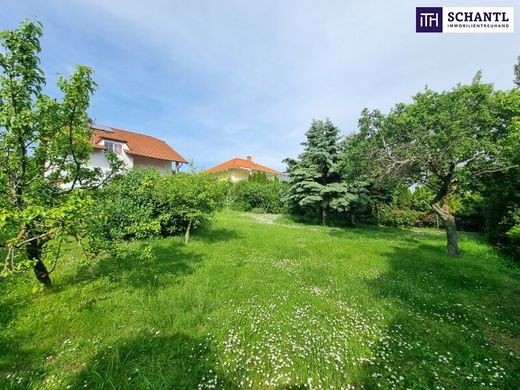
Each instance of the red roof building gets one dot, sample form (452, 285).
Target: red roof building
(136, 150)
(240, 169)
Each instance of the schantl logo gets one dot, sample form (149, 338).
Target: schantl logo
(478, 17)
(428, 19)
(464, 19)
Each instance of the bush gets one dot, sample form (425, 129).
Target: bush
(258, 195)
(142, 204)
(468, 211)
(402, 197)
(127, 207)
(390, 216)
(408, 209)
(187, 200)
(513, 235)
(421, 200)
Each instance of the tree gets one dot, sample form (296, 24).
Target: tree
(517, 73)
(402, 197)
(357, 169)
(421, 199)
(439, 140)
(501, 190)
(44, 145)
(314, 179)
(127, 207)
(258, 194)
(143, 204)
(185, 201)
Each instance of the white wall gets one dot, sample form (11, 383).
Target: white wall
(237, 174)
(99, 160)
(164, 167)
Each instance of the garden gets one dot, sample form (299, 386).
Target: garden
(389, 258)
(254, 302)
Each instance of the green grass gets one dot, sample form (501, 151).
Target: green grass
(253, 302)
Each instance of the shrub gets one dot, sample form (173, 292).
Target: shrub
(402, 197)
(468, 210)
(187, 200)
(508, 232)
(513, 235)
(258, 195)
(142, 204)
(390, 216)
(258, 177)
(421, 200)
(127, 207)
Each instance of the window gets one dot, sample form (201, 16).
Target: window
(113, 147)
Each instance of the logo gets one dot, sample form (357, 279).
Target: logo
(464, 19)
(428, 19)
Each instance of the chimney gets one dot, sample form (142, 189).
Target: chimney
(249, 158)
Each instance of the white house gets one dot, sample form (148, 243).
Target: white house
(136, 150)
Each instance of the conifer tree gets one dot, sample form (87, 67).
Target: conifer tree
(315, 181)
(517, 73)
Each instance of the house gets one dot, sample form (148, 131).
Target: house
(136, 150)
(240, 169)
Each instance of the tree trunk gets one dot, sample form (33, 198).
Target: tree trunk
(187, 234)
(353, 219)
(34, 252)
(451, 229)
(324, 213)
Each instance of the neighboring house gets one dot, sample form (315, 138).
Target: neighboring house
(136, 150)
(240, 169)
(283, 177)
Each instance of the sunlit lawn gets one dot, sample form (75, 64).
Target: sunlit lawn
(253, 302)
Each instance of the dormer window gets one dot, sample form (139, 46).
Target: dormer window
(113, 147)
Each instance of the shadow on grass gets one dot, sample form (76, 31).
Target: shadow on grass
(441, 308)
(148, 361)
(170, 258)
(385, 232)
(18, 362)
(208, 235)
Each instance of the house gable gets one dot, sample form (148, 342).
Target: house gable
(136, 150)
(240, 169)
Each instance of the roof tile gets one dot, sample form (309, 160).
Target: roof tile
(139, 144)
(241, 163)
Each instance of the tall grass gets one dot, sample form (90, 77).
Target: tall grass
(255, 302)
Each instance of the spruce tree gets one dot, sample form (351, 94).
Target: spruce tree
(315, 182)
(517, 73)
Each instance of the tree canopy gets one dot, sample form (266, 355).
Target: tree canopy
(44, 147)
(315, 182)
(517, 73)
(439, 140)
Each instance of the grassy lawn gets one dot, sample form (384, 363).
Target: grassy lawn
(254, 302)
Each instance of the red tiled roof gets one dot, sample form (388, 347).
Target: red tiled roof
(139, 144)
(240, 163)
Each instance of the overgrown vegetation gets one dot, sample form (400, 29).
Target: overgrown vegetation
(144, 204)
(258, 194)
(268, 304)
(316, 185)
(48, 195)
(461, 145)
(44, 147)
(258, 301)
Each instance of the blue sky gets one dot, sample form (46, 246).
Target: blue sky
(222, 79)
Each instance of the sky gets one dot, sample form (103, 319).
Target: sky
(224, 79)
